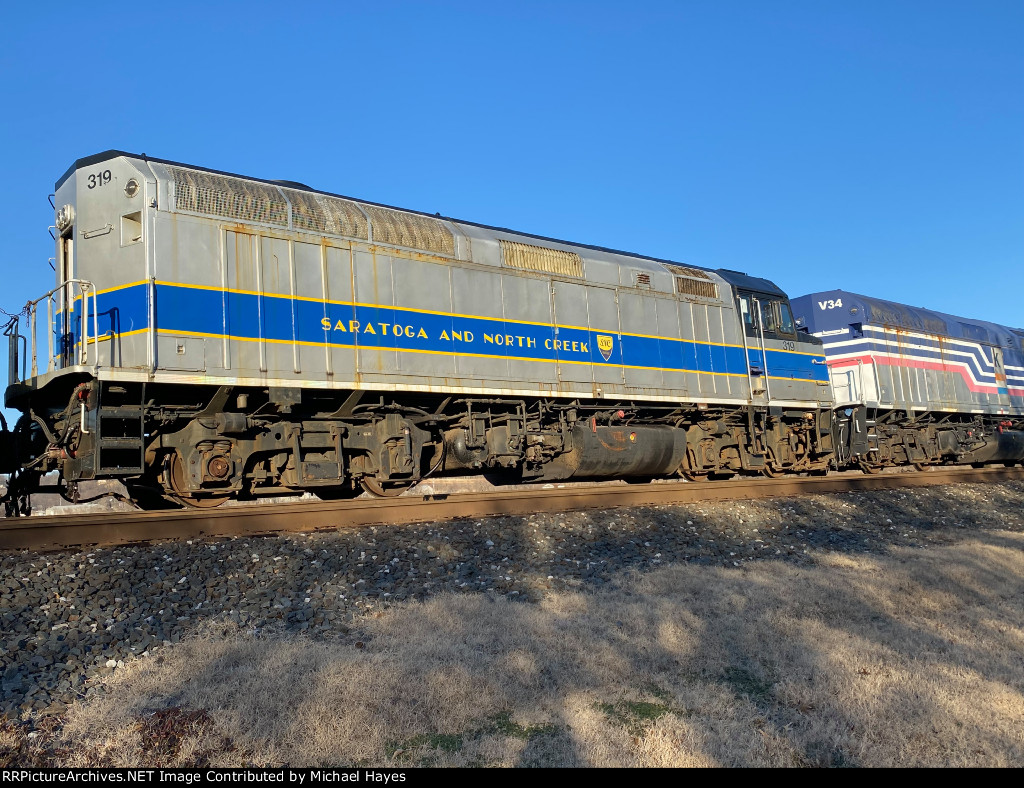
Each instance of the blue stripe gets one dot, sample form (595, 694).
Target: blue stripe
(950, 348)
(248, 316)
(868, 345)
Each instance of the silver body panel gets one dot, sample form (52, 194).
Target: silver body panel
(244, 296)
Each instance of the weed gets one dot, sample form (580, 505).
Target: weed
(634, 715)
(501, 724)
(446, 742)
(745, 683)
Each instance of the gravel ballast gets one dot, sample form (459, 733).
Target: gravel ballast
(69, 619)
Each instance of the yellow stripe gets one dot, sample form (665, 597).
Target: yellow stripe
(446, 314)
(199, 334)
(305, 343)
(120, 334)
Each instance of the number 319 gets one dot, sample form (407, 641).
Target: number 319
(99, 179)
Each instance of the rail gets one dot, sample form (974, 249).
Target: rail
(59, 314)
(109, 528)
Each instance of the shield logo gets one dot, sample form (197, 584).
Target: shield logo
(605, 345)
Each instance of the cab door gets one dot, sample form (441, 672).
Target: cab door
(778, 333)
(749, 307)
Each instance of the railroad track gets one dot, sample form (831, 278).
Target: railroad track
(111, 528)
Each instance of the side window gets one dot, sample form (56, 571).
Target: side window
(786, 319)
(748, 308)
(763, 313)
(748, 320)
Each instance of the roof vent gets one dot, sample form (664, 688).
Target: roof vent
(541, 258)
(410, 229)
(693, 282)
(331, 215)
(232, 198)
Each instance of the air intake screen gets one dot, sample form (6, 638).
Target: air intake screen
(233, 198)
(693, 273)
(696, 287)
(331, 215)
(970, 331)
(694, 282)
(410, 229)
(540, 258)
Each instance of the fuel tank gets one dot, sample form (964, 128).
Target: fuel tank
(620, 451)
(1004, 446)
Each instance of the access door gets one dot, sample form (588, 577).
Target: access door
(571, 342)
(1002, 392)
(753, 347)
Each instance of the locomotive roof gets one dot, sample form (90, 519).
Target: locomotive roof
(735, 278)
(858, 308)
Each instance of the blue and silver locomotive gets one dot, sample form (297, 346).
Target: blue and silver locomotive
(211, 336)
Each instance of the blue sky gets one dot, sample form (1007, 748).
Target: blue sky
(876, 147)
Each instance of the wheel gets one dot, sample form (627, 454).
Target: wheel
(181, 493)
(335, 493)
(691, 476)
(149, 498)
(977, 465)
(920, 466)
(870, 467)
(377, 488)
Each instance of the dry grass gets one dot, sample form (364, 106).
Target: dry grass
(909, 659)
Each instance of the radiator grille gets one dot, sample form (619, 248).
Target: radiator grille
(232, 198)
(331, 215)
(696, 287)
(410, 229)
(693, 282)
(540, 258)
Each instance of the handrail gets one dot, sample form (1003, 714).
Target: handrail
(746, 355)
(17, 364)
(55, 311)
(764, 351)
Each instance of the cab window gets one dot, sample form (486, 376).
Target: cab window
(786, 319)
(746, 311)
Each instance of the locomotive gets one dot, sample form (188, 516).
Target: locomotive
(213, 337)
(918, 387)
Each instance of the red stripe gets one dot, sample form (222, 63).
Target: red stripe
(979, 388)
